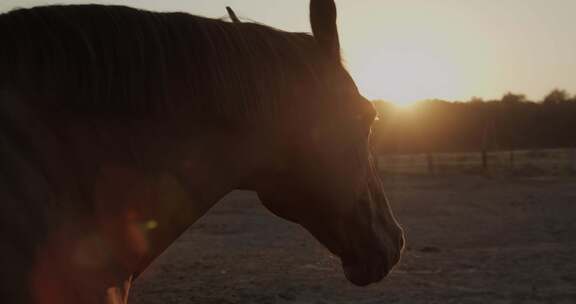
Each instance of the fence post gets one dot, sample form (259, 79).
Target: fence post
(431, 165)
(512, 159)
(573, 160)
(484, 161)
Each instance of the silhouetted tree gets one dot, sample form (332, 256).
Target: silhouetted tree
(513, 98)
(476, 100)
(556, 96)
(513, 122)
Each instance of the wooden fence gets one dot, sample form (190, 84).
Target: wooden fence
(521, 162)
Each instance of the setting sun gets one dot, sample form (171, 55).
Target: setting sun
(408, 51)
(409, 76)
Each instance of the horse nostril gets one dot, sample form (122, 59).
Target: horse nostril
(401, 240)
(400, 243)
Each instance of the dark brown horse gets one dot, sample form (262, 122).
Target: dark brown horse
(119, 128)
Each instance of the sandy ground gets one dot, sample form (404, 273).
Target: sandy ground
(470, 240)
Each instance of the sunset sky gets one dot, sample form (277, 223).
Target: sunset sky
(409, 50)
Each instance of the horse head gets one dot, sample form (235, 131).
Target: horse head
(324, 178)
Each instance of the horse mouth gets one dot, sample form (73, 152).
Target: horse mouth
(363, 273)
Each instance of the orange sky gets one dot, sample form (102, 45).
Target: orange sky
(408, 50)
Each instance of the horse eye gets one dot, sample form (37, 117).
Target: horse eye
(369, 118)
(365, 122)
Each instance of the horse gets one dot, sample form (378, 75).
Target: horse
(119, 128)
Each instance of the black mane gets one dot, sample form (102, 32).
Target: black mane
(117, 60)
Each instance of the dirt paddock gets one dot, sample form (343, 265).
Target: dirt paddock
(470, 240)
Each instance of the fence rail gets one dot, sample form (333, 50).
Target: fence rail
(522, 162)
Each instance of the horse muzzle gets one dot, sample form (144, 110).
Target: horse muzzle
(369, 269)
(370, 259)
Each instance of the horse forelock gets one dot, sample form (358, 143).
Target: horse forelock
(117, 60)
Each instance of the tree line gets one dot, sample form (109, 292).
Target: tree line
(509, 123)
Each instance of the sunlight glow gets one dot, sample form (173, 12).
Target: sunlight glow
(405, 51)
(409, 75)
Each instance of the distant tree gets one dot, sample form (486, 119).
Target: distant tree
(513, 98)
(477, 100)
(556, 96)
(511, 122)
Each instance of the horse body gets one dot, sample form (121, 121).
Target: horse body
(119, 128)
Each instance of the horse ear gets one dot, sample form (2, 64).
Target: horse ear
(323, 20)
(232, 15)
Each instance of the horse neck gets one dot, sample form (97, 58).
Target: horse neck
(174, 177)
(142, 202)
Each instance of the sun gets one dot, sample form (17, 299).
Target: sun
(406, 75)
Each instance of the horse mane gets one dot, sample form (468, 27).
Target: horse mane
(120, 61)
